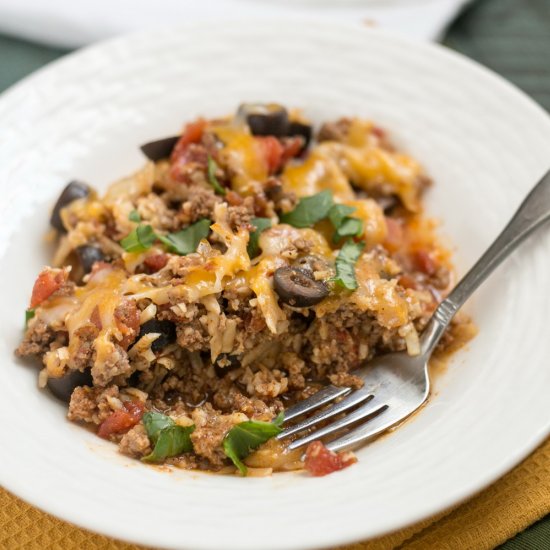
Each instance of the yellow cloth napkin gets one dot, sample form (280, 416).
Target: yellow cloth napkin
(493, 516)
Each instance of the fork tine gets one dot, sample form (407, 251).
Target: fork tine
(371, 428)
(322, 397)
(371, 407)
(351, 400)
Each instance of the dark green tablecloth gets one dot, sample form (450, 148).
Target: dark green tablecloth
(510, 36)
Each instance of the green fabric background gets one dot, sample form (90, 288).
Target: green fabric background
(512, 37)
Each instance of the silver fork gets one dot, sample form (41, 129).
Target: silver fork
(397, 384)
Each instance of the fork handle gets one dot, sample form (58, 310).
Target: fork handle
(533, 212)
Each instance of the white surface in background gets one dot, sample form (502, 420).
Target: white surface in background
(75, 23)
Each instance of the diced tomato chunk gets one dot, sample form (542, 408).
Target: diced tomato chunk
(46, 284)
(192, 133)
(292, 147)
(406, 281)
(380, 133)
(127, 321)
(424, 262)
(193, 157)
(122, 420)
(320, 461)
(155, 262)
(273, 151)
(394, 237)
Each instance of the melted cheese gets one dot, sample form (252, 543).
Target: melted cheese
(281, 237)
(97, 301)
(57, 310)
(374, 222)
(131, 188)
(211, 276)
(87, 208)
(244, 157)
(317, 173)
(360, 134)
(133, 259)
(213, 320)
(104, 292)
(107, 288)
(273, 243)
(359, 160)
(371, 167)
(374, 294)
(260, 279)
(330, 165)
(379, 295)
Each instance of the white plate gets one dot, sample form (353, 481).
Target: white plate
(484, 143)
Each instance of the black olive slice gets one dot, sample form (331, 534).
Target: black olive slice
(265, 119)
(88, 255)
(299, 129)
(63, 387)
(167, 330)
(296, 287)
(74, 190)
(159, 149)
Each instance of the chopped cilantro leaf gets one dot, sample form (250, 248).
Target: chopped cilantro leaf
(344, 225)
(338, 212)
(345, 264)
(350, 227)
(29, 314)
(245, 437)
(154, 423)
(261, 224)
(134, 216)
(139, 240)
(309, 210)
(168, 438)
(212, 179)
(186, 241)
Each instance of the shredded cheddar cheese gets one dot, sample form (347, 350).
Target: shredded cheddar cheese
(243, 155)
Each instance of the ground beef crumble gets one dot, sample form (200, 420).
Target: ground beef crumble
(38, 339)
(135, 443)
(91, 405)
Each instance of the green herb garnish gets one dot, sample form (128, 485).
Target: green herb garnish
(154, 423)
(29, 314)
(261, 224)
(309, 210)
(312, 209)
(186, 241)
(338, 213)
(168, 438)
(350, 227)
(140, 239)
(183, 242)
(212, 179)
(344, 225)
(245, 437)
(134, 216)
(345, 264)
